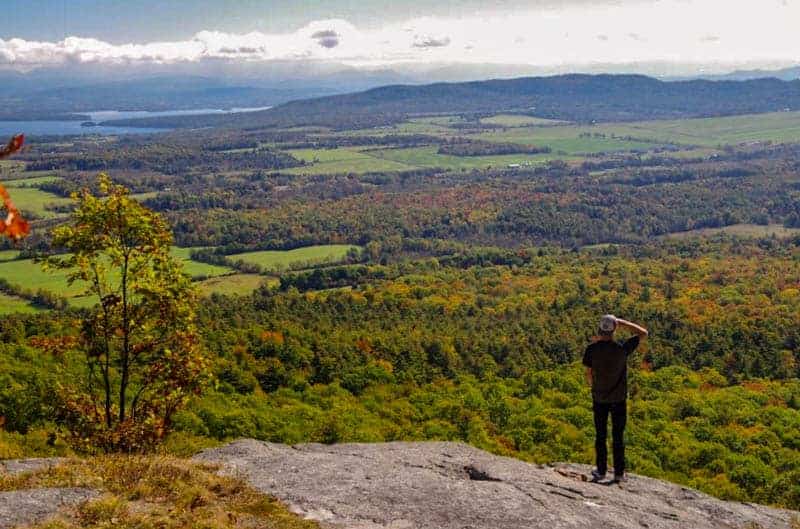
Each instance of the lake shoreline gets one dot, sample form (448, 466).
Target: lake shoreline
(103, 122)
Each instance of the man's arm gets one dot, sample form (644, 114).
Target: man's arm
(638, 330)
(589, 378)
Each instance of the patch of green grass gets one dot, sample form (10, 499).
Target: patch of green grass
(35, 201)
(428, 157)
(310, 255)
(518, 120)
(30, 199)
(775, 126)
(704, 132)
(196, 268)
(15, 305)
(33, 181)
(342, 160)
(8, 255)
(30, 276)
(233, 285)
(144, 196)
(741, 230)
(569, 139)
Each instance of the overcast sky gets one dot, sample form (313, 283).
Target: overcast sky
(705, 34)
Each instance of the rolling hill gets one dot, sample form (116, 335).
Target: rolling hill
(580, 98)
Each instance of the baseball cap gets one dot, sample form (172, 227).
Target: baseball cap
(608, 323)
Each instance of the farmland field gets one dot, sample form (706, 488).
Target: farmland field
(275, 260)
(220, 279)
(33, 200)
(706, 132)
(516, 120)
(567, 142)
(342, 160)
(30, 276)
(196, 268)
(428, 157)
(742, 230)
(15, 305)
(236, 284)
(33, 181)
(8, 255)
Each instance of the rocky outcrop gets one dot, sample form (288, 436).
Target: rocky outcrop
(25, 507)
(20, 466)
(30, 506)
(455, 486)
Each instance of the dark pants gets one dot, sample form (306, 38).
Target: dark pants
(619, 413)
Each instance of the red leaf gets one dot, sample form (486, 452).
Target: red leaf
(13, 146)
(14, 226)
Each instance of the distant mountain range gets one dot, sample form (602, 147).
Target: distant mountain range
(51, 94)
(786, 74)
(67, 92)
(580, 98)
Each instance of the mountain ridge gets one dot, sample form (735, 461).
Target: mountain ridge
(573, 97)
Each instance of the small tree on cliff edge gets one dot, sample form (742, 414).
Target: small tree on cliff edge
(140, 340)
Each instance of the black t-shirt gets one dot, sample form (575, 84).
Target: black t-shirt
(609, 363)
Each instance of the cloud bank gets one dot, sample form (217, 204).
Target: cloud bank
(665, 31)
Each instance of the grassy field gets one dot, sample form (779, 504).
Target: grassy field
(219, 279)
(347, 160)
(196, 268)
(574, 140)
(741, 230)
(428, 157)
(33, 181)
(29, 275)
(343, 160)
(236, 284)
(777, 127)
(695, 137)
(31, 199)
(15, 305)
(8, 255)
(275, 260)
(517, 120)
(704, 132)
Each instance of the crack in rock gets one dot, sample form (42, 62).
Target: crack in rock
(476, 474)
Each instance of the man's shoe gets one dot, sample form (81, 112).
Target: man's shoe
(620, 478)
(597, 476)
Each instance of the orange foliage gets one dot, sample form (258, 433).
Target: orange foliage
(14, 226)
(275, 337)
(754, 385)
(56, 346)
(364, 345)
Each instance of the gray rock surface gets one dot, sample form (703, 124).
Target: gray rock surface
(455, 486)
(20, 466)
(25, 507)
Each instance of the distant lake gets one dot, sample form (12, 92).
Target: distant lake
(64, 128)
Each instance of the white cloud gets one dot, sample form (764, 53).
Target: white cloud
(742, 32)
(429, 41)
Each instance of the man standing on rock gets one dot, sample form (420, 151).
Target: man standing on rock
(606, 364)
